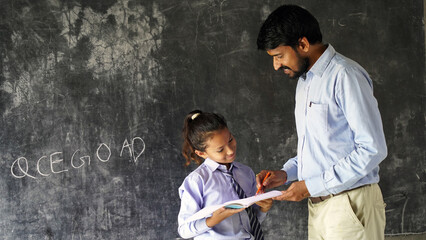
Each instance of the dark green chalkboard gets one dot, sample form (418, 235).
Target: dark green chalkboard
(93, 96)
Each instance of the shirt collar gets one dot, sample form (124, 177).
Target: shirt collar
(321, 64)
(212, 165)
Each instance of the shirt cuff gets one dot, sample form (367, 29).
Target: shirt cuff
(201, 225)
(291, 172)
(316, 187)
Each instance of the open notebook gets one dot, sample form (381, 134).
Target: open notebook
(239, 203)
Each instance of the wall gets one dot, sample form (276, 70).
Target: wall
(93, 96)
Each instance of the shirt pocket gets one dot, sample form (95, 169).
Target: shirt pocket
(316, 121)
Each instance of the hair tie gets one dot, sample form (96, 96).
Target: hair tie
(195, 116)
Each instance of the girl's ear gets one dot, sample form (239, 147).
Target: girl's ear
(201, 154)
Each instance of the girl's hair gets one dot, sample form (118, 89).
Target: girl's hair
(198, 127)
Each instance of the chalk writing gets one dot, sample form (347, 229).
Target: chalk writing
(24, 171)
(109, 152)
(131, 148)
(55, 161)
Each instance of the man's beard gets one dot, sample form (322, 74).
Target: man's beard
(303, 65)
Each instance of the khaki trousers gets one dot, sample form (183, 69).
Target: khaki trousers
(358, 214)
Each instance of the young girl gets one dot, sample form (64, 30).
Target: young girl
(208, 141)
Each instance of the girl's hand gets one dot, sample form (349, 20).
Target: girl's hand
(221, 214)
(265, 205)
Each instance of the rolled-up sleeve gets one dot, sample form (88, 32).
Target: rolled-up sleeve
(290, 167)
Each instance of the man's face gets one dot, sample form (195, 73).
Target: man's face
(288, 59)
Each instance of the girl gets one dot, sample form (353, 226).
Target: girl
(208, 141)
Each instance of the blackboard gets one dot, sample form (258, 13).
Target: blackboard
(93, 96)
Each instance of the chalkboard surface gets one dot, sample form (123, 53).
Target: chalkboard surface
(93, 96)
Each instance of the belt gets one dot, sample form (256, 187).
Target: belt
(323, 198)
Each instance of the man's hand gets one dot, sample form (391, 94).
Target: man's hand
(296, 192)
(277, 178)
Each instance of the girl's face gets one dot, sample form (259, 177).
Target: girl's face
(221, 147)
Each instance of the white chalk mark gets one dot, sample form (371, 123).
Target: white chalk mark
(25, 172)
(402, 215)
(109, 152)
(20, 167)
(72, 160)
(135, 158)
(81, 159)
(55, 162)
(126, 144)
(131, 147)
(38, 167)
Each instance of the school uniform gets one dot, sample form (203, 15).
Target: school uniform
(209, 185)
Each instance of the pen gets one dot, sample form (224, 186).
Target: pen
(261, 186)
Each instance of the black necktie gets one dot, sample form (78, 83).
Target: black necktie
(256, 230)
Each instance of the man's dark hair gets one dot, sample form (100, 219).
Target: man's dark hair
(286, 26)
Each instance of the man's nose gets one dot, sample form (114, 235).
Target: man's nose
(277, 65)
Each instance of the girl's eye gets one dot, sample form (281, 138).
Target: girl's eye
(221, 150)
(230, 140)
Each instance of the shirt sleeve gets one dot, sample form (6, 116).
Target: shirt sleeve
(290, 167)
(190, 194)
(354, 95)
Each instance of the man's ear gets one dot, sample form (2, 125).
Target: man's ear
(304, 44)
(201, 154)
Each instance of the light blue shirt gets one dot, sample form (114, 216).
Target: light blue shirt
(339, 128)
(207, 186)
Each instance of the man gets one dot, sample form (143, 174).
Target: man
(339, 129)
